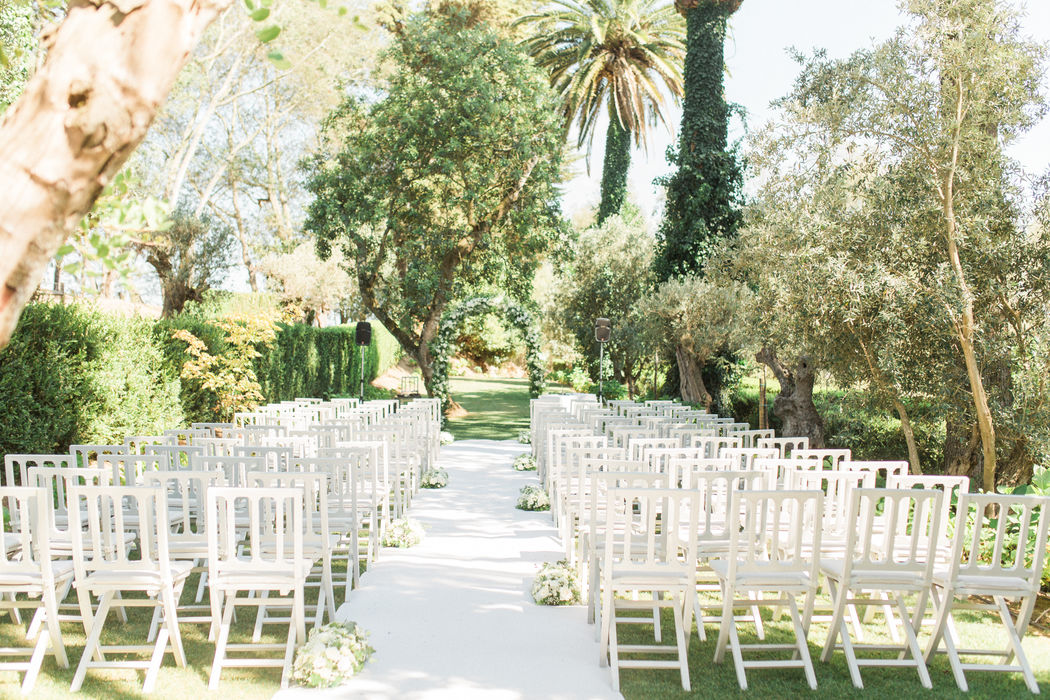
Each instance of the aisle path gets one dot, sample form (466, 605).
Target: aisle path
(453, 617)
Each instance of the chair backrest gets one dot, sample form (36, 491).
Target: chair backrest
(187, 500)
(750, 438)
(999, 535)
(57, 481)
(785, 445)
(883, 469)
(894, 532)
(777, 533)
(16, 466)
(744, 457)
(136, 444)
(274, 533)
(683, 471)
(99, 529)
(713, 445)
(952, 486)
(639, 448)
(342, 482)
(234, 468)
(822, 459)
(84, 455)
(179, 456)
(315, 498)
(837, 488)
(127, 469)
(650, 531)
(277, 458)
(716, 490)
(25, 534)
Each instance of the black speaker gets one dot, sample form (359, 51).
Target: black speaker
(363, 334)
(603, 330)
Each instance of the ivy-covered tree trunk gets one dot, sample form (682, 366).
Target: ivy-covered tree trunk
(794, 404)
(614, 169)
(703, 195)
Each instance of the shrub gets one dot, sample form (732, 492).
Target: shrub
(556, 584)
(71, 374)
(533, 498)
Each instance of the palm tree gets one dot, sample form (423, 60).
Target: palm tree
(623, 56)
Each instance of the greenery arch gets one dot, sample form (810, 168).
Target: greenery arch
(511, 312)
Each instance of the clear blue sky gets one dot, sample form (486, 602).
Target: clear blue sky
(760, 71)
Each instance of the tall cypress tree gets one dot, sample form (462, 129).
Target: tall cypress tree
(704, 194)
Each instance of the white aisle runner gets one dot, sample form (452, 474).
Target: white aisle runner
(453, 617)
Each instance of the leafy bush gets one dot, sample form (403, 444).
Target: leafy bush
(71, 375)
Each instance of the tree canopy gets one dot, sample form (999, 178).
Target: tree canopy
(447, 180)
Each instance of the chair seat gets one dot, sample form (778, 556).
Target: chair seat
(980, 584)
(761, 579)
(60, 569)
(134, 579)
(874, 579)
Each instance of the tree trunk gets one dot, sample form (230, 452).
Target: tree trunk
(794, 404)
(962, 449)
(909, 437)
(691, 382)
(108, 68)
(614, 169)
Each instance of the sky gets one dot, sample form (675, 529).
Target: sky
(760, 71)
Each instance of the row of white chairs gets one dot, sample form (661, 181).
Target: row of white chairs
(589, 453)
(277, 516)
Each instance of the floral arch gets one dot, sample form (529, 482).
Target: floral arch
(513, 313)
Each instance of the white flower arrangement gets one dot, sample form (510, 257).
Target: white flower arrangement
(434, 479)
(446, 438)
(533, 498)
(525, 437)
(332, 655)
(403, 532)
(525, 463)
(556, 584)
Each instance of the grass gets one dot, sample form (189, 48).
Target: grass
(172, 682)
(710, 680)
(496, 408)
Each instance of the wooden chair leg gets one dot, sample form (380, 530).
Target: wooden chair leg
(220, 643)
(91, 646)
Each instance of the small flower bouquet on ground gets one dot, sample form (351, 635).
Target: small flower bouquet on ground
(403, 532)
(525, 437)
(446, 438)
(533, 498)
(556, 584)
(434, 479)
(525, 463)
(331, 656)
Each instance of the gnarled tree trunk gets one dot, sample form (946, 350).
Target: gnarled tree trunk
(794, 404)
(109, 66)
(691, 382)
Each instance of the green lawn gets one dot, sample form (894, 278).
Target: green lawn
(710, 680)
(496, 408)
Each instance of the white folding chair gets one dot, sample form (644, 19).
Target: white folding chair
(999, 556)
(894, 564)
(770, 552)
(269, 559)
(29, 569)
(650, 545)
(103, 566)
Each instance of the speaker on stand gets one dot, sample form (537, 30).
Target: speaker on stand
(363, 338)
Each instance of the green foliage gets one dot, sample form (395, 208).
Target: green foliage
(74, 375)
(453, 321)
(614, 171)
(18, 46)
(446, 183)
(704, 196)
(610, 271)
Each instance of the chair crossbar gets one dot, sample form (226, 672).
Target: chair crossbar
(639, 663)
(773, 663)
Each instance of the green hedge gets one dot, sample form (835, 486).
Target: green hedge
(74, 375)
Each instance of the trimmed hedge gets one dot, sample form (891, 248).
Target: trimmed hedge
(74, 375)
